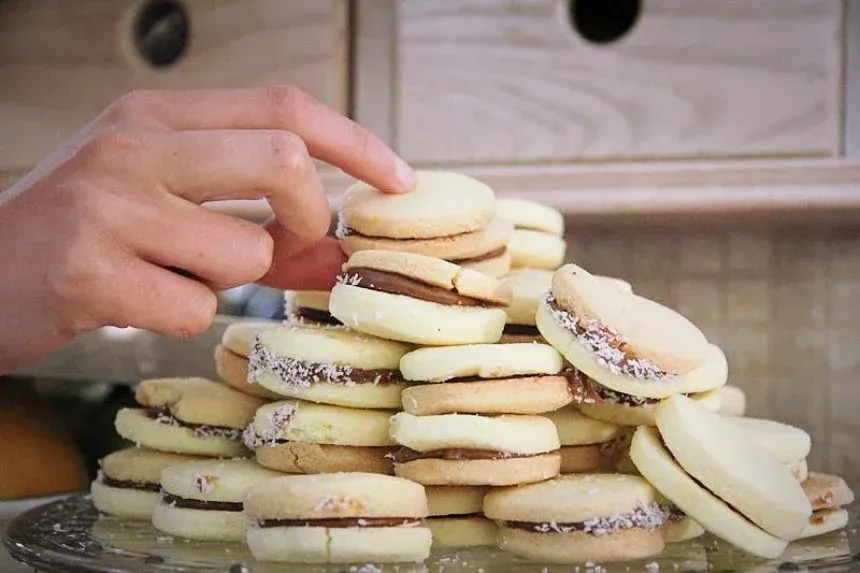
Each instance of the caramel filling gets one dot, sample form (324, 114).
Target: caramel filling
(163, 416)
(478, 258)
(187, 503)
(405, 455)
(645, 516)
(393, 283)
(315, 315)
(342, 522)
(522, 330)
(129, 484)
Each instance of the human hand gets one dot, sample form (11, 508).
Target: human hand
(109, 229)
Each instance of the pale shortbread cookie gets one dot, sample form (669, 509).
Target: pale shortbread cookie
(455, 500)
(307, 458)
(298, 421)
(659, 467)
(199, 401)
(826, 491)
(136, 426)
(521, 435)
(643, 414)
(505, 471)
(199, 524)
(411, 320)
(620, 284)
(139, 464)
(784, 442)
(123, 502)
(340, 545)
(536, 249)
(525, 214)
(519, 395)
(658, 339)
(238, 335)
(825, 521)
(214, 480)
(574, 518)
(329, 365)
(233, 369)
(481, 360)
(576, 429)
(528, 287)
(495, 235)
(721, 456)
(441, 204)
(799, 469)
(462, 531)
(712, 374)
(682, 530)
(495, 267)
(591, 458)
(313, 299)
(734, 401)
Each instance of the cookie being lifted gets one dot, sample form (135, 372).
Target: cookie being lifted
(418, 299)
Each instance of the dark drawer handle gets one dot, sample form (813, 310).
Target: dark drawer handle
(162, 31)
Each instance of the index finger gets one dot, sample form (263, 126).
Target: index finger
(328, 135)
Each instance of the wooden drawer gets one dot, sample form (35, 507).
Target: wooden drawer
(62, 62)
(501, 81)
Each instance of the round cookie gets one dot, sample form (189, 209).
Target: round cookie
(308, 307)
(825, 521)
(826, 491)
(466, 449)
(587, 445)
(786, 443)
(682, 530)
(338, 518)
(536, 249)
(456, 518)
(580, 518)
(495, 263)
(736, 469)
(632, 411)
(188, 416)
(733, 401)
(303, 437)
(233, 370)
(484, 379)
(204, 499)
(239, 335)
(625, 342)
(328, 365)
(658, 466)
(525, 214)
(418, 299)
(127, 484)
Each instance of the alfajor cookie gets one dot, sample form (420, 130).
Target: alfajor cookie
(587, 445)
(681, 529)
(786, 443)
(456, 517)
(418, 299)
(338, 518)
(538, 237)
(625, 343)
(203, 499)
(528, 287)
(231, 356)
(328, 365)
(524, 378)
(447, 216)
(308, 307)
(733, 401)
(468, 449)
(580, 518)
(188, 416)
(303, 437)
(127, 483)
(828, 495)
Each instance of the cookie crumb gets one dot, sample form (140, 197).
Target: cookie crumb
(338, 503)
(205, 484)
(652, 567)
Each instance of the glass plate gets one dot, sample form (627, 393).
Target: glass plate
(69, 536)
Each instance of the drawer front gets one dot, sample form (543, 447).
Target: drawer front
(510, 81)
(63, 62)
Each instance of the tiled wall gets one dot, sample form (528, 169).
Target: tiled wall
(784, 304)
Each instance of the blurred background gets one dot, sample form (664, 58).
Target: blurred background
(705, 150)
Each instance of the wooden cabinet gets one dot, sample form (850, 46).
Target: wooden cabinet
(62, 62)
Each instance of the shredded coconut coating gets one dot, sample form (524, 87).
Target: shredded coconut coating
(645, 516)
(201, 431)
(254, 437)
(205, 484)
(348, 279)
(293, 372)
(606, 345)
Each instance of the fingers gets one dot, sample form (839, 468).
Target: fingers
(314, 268)
(329, 136)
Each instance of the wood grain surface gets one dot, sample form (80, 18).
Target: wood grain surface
(492, 81)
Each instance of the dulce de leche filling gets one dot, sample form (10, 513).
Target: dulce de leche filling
(130, 484)
(405, 455)
(343, 522)
(648, 516)
(394, 283)
(163, 416)
(188, 503)
(478, 258)
(305, 314)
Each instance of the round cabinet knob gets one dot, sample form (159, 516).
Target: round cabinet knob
(162, 32)
(603, 21)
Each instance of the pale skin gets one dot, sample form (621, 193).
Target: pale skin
(109, 229)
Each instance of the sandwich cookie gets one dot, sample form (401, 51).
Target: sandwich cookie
(683, 528)
(538, 237)
(580, 518)
(828, 495)
(203, 499)
(418, 299)
(788, 444)
(231, 356)
(447, 216)
(338, 518)
(127, 484)
(302, 437)
(328, 365)
(710, 469)
(308, 307)
(524, 378)
(467, 449)
(623, 342)
(188, 416)
(733, 401)
(456, 517)
(587, 445)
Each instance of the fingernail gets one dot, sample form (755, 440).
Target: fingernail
(404, 174)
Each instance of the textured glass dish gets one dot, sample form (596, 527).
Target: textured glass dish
(69, 536)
